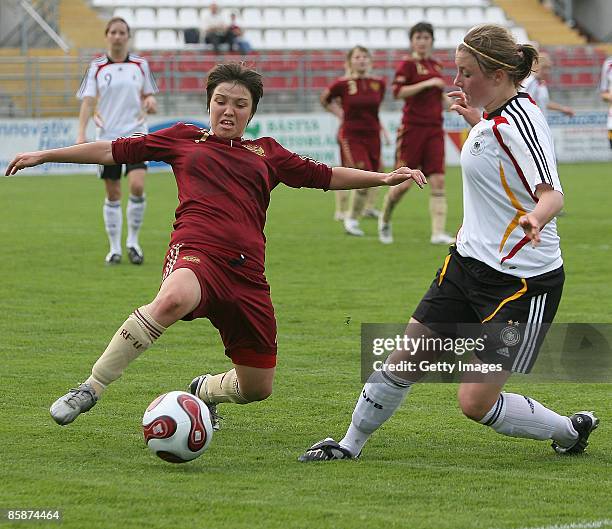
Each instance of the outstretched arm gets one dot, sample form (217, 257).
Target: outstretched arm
(98, 152)
(348, 178)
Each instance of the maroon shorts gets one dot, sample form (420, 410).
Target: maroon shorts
(361, 152)
(236, 300)
(420, 148)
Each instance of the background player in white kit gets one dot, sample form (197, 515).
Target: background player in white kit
(511, 194)
(605, 86)
(536, 85)
(122, 85)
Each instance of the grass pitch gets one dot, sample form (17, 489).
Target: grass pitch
(428, 468)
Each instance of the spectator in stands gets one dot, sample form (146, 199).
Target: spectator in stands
(605, 86)
(536, 85)
(243, 45)
(119, 87)
(355, 100)
(215, 29)
(420, 137)
(214, 267)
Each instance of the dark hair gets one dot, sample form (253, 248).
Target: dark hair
(237, 73)
(421, 27)
(117, 19)
(494, 48)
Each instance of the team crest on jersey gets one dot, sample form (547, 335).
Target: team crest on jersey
(375, 86)
(421, 70)
(257, 149)
(204, 137)
(478, 146)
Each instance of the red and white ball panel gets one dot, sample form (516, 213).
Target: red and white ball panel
(177, 427)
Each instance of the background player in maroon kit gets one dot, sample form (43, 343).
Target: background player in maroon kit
(215, 264)
(420, 138)
(355, 99)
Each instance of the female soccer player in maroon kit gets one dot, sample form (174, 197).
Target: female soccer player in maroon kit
(355, 99)
(214, 267)
(420, 138)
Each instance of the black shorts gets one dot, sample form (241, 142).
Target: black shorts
(610, 138)
(468, 297)
(113, 172)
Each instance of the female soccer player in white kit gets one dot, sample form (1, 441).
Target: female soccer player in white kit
(506, 266)
(123, 86)
(605, 87)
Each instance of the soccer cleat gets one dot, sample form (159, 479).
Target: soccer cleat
(78, 400)
(113, 258)
(584, 422)
(442, 238)
(385, 235)
(135, 255)
(339, 215)
(194, 389)
(326, 450)
(371, 213)
(351, 226)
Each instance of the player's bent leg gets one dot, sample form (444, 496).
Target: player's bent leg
(134, 337)
(380, 397)
(240, 385)
(515, 415)
(438, 210)
(179, 295)
(255, 383)
(392, 198)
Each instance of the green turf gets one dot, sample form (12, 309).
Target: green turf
(427, 468)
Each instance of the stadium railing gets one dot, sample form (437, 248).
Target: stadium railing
(46, 86)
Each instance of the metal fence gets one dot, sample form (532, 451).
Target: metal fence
(46, 86)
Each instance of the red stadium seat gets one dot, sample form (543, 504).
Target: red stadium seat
(585, 79)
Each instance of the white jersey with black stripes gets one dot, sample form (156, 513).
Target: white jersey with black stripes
(119, 87)
(505, 157)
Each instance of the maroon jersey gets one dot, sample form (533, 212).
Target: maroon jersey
(361, 99)
(424, 108)
(223, 185)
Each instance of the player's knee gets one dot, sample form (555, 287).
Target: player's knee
(137, 189)
(472, 406)
(113, 194)
(254, 393)
(171, 304)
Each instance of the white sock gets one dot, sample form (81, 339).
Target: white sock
(113, 222)
(135, 213)
(518, 416)
(382, 394)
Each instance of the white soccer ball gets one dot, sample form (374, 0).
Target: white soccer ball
(177, 427)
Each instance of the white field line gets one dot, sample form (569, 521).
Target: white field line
(595, 524)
